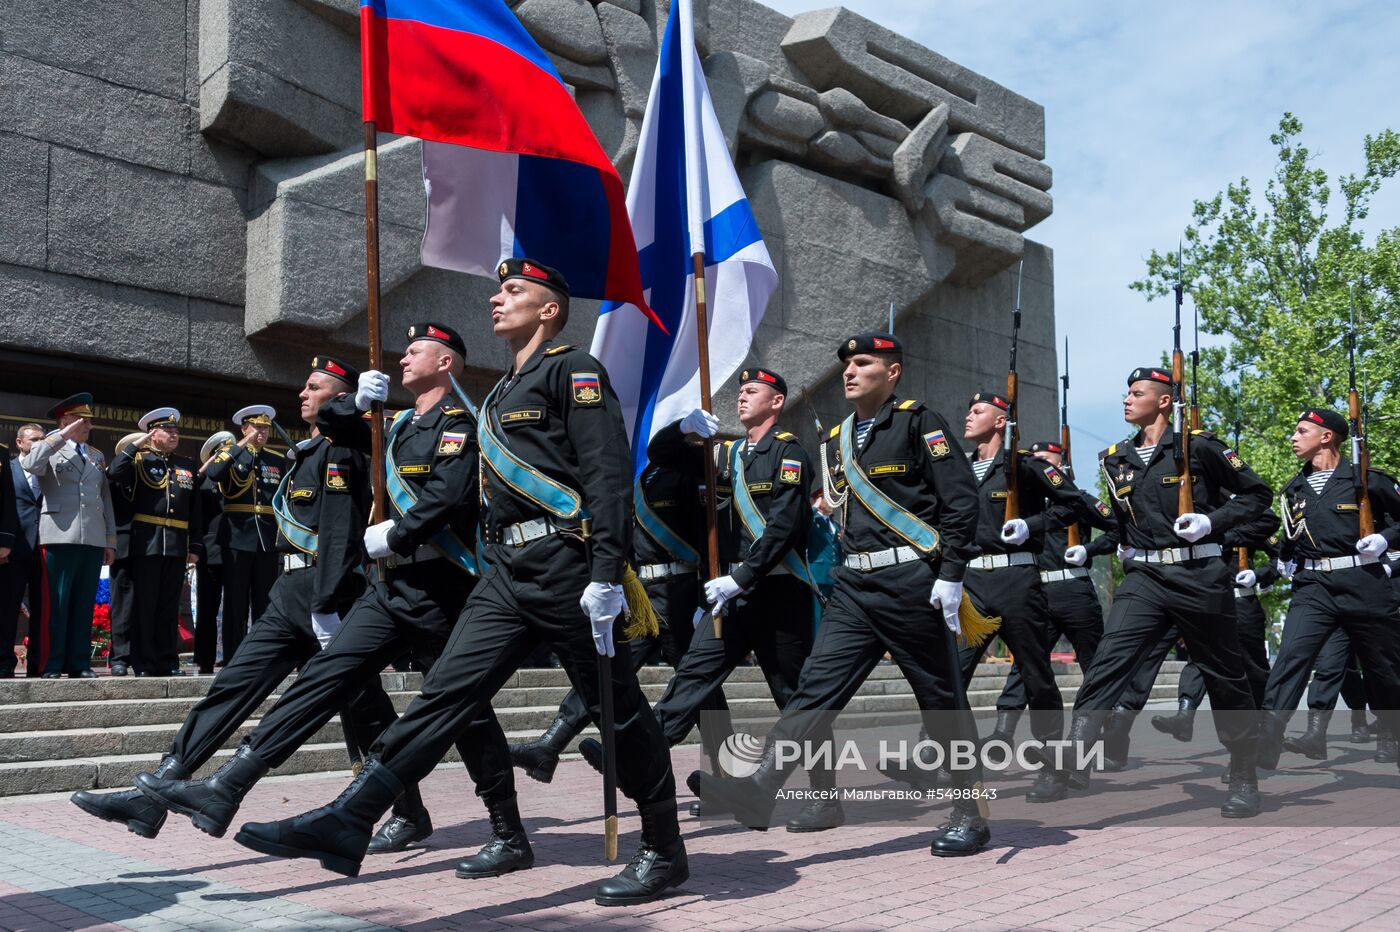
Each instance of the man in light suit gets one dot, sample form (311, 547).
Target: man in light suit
(21, 570)
(77, 530)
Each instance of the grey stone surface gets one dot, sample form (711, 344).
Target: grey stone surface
(24, 200)
(567, 27)
(917, 155)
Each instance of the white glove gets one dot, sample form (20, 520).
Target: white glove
(1246, 579)
(377, 540)
(374, 386)
(721, 590)
(699, 614)
(1015, 532)
(1077, 555)
(325, 626)
(1192, 527)
(1286, 568)
(1372, 545)
(700, 422)
(1126, 553)
(947, 595)
(602, 602)
(1386, 567)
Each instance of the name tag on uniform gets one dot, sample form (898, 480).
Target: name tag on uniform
(887, 469)
(1348, 506)
(418, 469)
(760, 486)
(522, 415)
(1000, 496)
(305, 495)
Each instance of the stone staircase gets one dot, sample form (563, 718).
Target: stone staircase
(64, 735)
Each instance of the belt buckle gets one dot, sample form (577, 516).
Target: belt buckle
(1169, 556)
(866, 564)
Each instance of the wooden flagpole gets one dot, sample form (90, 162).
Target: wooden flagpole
(702, 335)
(372, 279)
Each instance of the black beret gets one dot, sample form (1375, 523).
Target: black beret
(764, 377)
(532, 271)
(1047, 446)
(1327, 418)
(336, 368)
(991, 398)
(876, 343)
(438, 333)
(1151, 374)
(79, 404)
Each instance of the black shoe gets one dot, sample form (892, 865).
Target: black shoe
(538, 758)
(141, 815)
(966, 833)
(592, 751)
(51, 676)
(1083, 730)
(1386, 749)
(1180, 726)
(659, 864)
(820, 815)
(1005, 728)
(1361, 732)
(85, 675)
(507, 851)
(400, 832)
(1312, 743)
(1270, 744)
(1243, 801)
(1117, 735)
(210, 803)
(1048, 788)
(749, 800)
(336, 835)
(119, 668)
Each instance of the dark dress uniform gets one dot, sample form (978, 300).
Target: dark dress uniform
(209, 577)
(1335, 587)
(165, 506)
(1005, 580)
(119, 581)
(247, 480)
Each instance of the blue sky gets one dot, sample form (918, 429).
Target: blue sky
(1147, 106)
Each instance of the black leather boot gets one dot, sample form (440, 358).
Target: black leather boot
(592, 751)
(1117, 735)
(507, 851)
(1361, 732)
(1180, 726)
(750, 800)
(659, 864)
(1083, 732)
(210, 803)
(538, 758)
(1049, 788)
(1243, 801)
(1312, 743)
(1005, 729)
(336, 835)
(408, 823)
(1271, 727)
(917, 770)
(142, 815)
(966, 832)
(818, 816)
(1386, 748)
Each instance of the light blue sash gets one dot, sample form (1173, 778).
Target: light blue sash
(905, 524)
(298, 535)
(402, 497)
(753, 519)
(660, 532)
(527, 481)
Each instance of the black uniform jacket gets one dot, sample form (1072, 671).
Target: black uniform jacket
(1144, 495)
(9, 512)
(675, 498)
(1092, 515)
(328, 492)
(211, 509)
(1048, 500)
(911, 455)
(778, 475)
(559, 414)
(1329, 524)
(164, 496)
(247, 481)
(435, 455)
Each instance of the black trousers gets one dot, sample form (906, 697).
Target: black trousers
(1076, 613)
(528, 595)
(1018, 596)
(1251, 625)
(156, 583)
(209, 583)
(675, 599)
(774, 622)
(1197, 600)
(248, 579)
(22, 573)
(119, 586)
(869, 614)
(1359, 601)
(1336, 672)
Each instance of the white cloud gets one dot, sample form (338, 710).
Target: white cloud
(1149, 105)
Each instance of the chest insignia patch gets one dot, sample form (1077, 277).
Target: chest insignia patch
(587, 389)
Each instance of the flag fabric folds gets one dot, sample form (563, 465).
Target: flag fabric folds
(510, 165)
(684, 192)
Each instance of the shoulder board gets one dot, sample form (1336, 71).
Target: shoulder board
(1109, 452)
(785, 435)
(1202, 432)
(909, 404)
(834, 432)
(454, 412)
(1023, 453)
(556, 350)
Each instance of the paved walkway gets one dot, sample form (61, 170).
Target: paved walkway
(60, 869)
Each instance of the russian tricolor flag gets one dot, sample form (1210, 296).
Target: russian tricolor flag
(510, 165)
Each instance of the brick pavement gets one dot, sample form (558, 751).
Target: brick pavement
(62, 870)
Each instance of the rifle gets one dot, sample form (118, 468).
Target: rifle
(1071, 532)
(1195, 364)
(1012, 440)
(1360, 455)
(1180, 434)
(1242, 552)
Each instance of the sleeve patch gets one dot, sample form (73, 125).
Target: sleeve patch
(937, 444)
(1233, 458)
(587, 389)
(790, 471)
(1053, 475)
(451, 442)
(1103, 509)
(335, 479)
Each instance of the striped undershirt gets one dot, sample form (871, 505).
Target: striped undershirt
(1145, 453)
(863, 430)
(980, 468)
(1318, 478)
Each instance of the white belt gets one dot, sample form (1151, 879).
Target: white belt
(1328, 564)
(1179, 554)
(879, 559)
(995, 561)
(1246, 593)
(778, 570)
(1074, 572)
(422, 555)
(297, 561)
(526, 532)
(649, 571)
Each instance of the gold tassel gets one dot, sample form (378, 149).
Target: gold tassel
(976, 627)
(641, 616)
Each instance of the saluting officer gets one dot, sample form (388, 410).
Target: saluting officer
(557, 481)
(427, 572)
(160, 485)
(119, 573)
(1168, 584)
(209, 574)
(321, 509)
(909, 530)
(1338, 580)
(247, 475)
